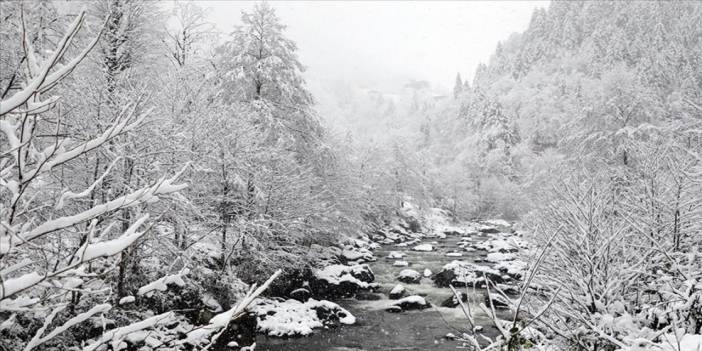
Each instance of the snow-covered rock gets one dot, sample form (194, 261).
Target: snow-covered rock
(488, 229)
(423, 247)
(393, 255)
(295, 318)
(408, 243)
(461, 273)
(414, 302)
(499, 257)
(453, 301)
(341, 280)
(400, 263)
(409, 276)
(357, 255)
(300, 294)
(516, 269)
(498, 222)
(503, 244)
(397, 292)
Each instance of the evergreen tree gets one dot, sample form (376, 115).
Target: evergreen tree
(458, 87)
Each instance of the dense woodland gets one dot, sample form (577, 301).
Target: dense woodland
(155, 172)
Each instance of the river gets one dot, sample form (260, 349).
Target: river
(377, 329)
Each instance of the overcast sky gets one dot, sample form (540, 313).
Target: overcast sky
(379, 44)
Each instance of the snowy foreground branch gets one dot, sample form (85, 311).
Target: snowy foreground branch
(47, 239)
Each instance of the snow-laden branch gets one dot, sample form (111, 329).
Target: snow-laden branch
(80, 318)
(219, 323)
(115, 336)
(87, 253)
(161, 284)
(42, 79)
(69, 195)
(147, 194)
(65, 156)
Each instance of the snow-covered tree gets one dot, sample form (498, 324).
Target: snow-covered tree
(458, 86)
(260, 62)
(47, 244)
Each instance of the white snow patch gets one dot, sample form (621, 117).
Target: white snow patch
(423, 247)
(396, 255)
(292, 317)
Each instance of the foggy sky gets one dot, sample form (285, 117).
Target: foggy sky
(381, 45)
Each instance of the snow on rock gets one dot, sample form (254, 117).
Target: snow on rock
(499, 257)
(503, 244)
(461, 273)
(121, 332)
(515, 269)
(423, 247)
(295, 318)
(396, 255)
(341, 280)
(409, 276)
(400, 263)
(453, 301)
(414, 302)
(498, 222)
(408, 243)
(488, 229)
(357, 254)
(397, 292)
(300, 294)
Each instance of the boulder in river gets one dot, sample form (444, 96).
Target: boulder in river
(397, 292)
(489, 229)
(359, 255)
(461, 274)
(499, 257)
(294, 318)
(300, 294)
(409, 276)
(427, 273)
(453, 301)
(408, 243)
(514, 269)
(400, 263)
(341, 280)
(414, 302)
(394, 309)
(454, 254)
(502, 243)
(423, 247)
(393, 255)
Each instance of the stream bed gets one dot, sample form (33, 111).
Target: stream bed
(377, 329)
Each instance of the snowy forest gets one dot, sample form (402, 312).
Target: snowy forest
(165, 185)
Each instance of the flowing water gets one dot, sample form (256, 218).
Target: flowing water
(377, 329)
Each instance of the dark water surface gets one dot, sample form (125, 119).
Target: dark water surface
(377, 329)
